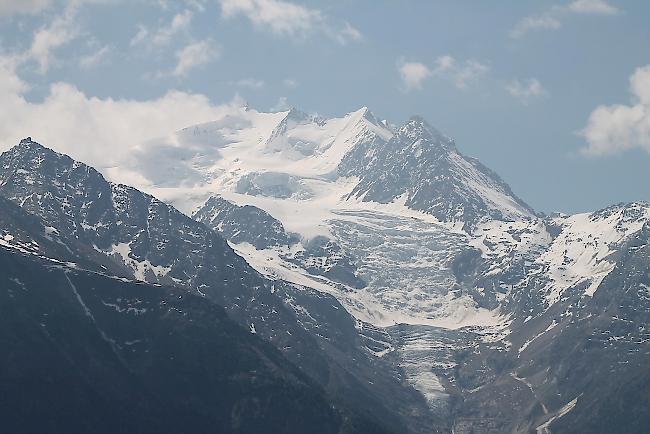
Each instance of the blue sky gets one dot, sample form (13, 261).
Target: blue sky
(553, 95)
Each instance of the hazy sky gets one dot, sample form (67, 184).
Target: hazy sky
(553, 95)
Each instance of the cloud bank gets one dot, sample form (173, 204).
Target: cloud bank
(13, 7)
(613, 129)
(526, 90)
(288, 19)
(461, 74)
(194, 55)
(101, 132)
(552, 18)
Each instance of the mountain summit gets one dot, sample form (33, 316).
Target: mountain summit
(251, 157)
(425, 169)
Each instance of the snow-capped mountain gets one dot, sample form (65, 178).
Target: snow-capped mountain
(427, 248)
(404, 277)
(286, 155)
(423, 168)
(274, 159)
(335, 188)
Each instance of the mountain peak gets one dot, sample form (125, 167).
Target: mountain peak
(297, 114)
(28, 144)
(368, 115)
(29, 156)
(30, 167)
(27, 150)
(424, 166)
(418, 120)
(417, 128)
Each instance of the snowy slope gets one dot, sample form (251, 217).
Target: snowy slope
(310, 175)
(289, 161)
(585, 250)
(274, 156)
(554, 255)
(404, 261)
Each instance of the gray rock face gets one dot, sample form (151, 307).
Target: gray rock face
(85, 352)
(425, 167)
(325, 257)
(134, 236)
(579, 366)
(243, 223)
(269, 184)
(148, 239)
(320, 256)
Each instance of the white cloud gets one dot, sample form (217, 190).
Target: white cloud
(551, 19)
(198, 5)
(461, 74)
(535, 22)
(11, 7)
(526, 90)
(140, 36)
(413, 74)
(62, 30)
(179, 22)
(291, 83)
(600, 7)
(59, 32)
(194, 55)
(165, 34)
(102, 132)
(640, 85)
(445, 63)
(467, 73)
(347, 33)
(10, 83)
(94, 59)
(618, 128)
(251, 83)
(281, 105)
(279, 16)
(288, 19)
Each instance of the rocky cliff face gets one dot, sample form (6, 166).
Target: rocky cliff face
(65, 212)
(423, 168)
(86, 352)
